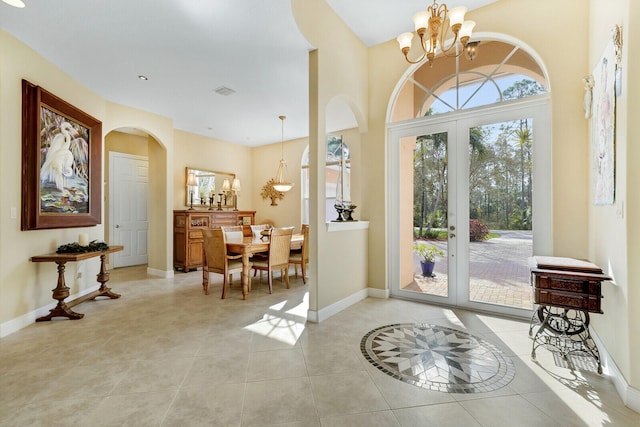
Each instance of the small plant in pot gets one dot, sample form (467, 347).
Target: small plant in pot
(428, 254)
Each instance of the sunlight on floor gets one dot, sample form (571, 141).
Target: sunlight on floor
(281, 322)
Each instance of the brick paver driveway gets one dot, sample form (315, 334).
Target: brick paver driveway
(498, 270)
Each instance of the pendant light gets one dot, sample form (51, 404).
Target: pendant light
(282, 182)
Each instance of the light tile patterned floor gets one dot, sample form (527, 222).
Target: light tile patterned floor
(437, 358)
(164, 354)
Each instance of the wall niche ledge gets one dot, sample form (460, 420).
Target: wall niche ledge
(347, 225)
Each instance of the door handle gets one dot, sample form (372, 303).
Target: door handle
(117, 226)
(452, 235)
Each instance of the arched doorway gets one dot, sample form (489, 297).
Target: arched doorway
(469, 161)
(128, 219)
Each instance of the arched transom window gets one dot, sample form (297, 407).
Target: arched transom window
(452, 84)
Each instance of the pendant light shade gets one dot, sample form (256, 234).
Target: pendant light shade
(282, 182)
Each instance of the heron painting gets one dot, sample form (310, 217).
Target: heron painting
(61, 162)
(64, 169)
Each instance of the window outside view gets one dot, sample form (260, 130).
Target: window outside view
(500, 200)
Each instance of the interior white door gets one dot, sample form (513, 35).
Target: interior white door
(129, 208)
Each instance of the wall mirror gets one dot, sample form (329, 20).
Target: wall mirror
(208, 184)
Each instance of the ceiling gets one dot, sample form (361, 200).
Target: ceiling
(189, 48)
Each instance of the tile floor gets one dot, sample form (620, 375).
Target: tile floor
(166, 355)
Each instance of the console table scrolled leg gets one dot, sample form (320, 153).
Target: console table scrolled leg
(61, 292)
(103, 278)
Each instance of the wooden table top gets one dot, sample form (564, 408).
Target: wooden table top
(55, 257)
(254, 244)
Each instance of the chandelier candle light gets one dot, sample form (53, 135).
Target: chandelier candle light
(282, 182)
(431, 26)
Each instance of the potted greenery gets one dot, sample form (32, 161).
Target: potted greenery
(428, 254)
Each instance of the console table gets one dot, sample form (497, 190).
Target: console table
(61, 291)
(566, 290)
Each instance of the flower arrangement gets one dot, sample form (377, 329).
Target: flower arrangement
(268, 192)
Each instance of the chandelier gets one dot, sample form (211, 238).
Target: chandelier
(431, 26)
(282, 182)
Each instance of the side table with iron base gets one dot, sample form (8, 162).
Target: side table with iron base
(566, 291)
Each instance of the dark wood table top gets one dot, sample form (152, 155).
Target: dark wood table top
(55, 257)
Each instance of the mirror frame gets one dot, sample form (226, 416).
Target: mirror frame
(201, 173)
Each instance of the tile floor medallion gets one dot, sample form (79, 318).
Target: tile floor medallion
(437, 358)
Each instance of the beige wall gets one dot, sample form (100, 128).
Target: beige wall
(612, 243)
(629, 115)
(25, 286)
(200, 152)
(265, 162)
(338, 68)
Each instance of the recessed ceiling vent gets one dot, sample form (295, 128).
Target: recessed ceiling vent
(223, 90)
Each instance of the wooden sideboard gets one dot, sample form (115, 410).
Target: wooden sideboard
(187, 234)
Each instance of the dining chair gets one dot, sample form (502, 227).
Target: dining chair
(233, 231)
(217, 260)
(257, 228)
(278, 255)
(255, 233)
(301, 256)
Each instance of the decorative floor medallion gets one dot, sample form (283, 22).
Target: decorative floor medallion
(437, 358)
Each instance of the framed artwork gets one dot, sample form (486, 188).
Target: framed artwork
(603, 128)
(61, 163)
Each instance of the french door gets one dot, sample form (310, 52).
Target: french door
(449, 169)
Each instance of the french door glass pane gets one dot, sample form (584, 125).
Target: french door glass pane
(500, 207)
(430, 209)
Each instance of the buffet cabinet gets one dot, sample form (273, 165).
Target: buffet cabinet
(187, 234)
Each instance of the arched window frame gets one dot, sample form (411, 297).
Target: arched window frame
(332, 162)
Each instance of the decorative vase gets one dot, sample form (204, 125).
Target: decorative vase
(273, 201)
(427, 268)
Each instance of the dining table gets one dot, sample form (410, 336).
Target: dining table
(247, 246)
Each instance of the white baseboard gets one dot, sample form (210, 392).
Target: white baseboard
(165, 274)
(379, 293)
(337, 307)
(325, 313)
(14, 325)
(629, 395)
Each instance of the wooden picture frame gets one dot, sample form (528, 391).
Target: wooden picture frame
(61, 163)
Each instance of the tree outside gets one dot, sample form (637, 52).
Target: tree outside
(500, 173)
